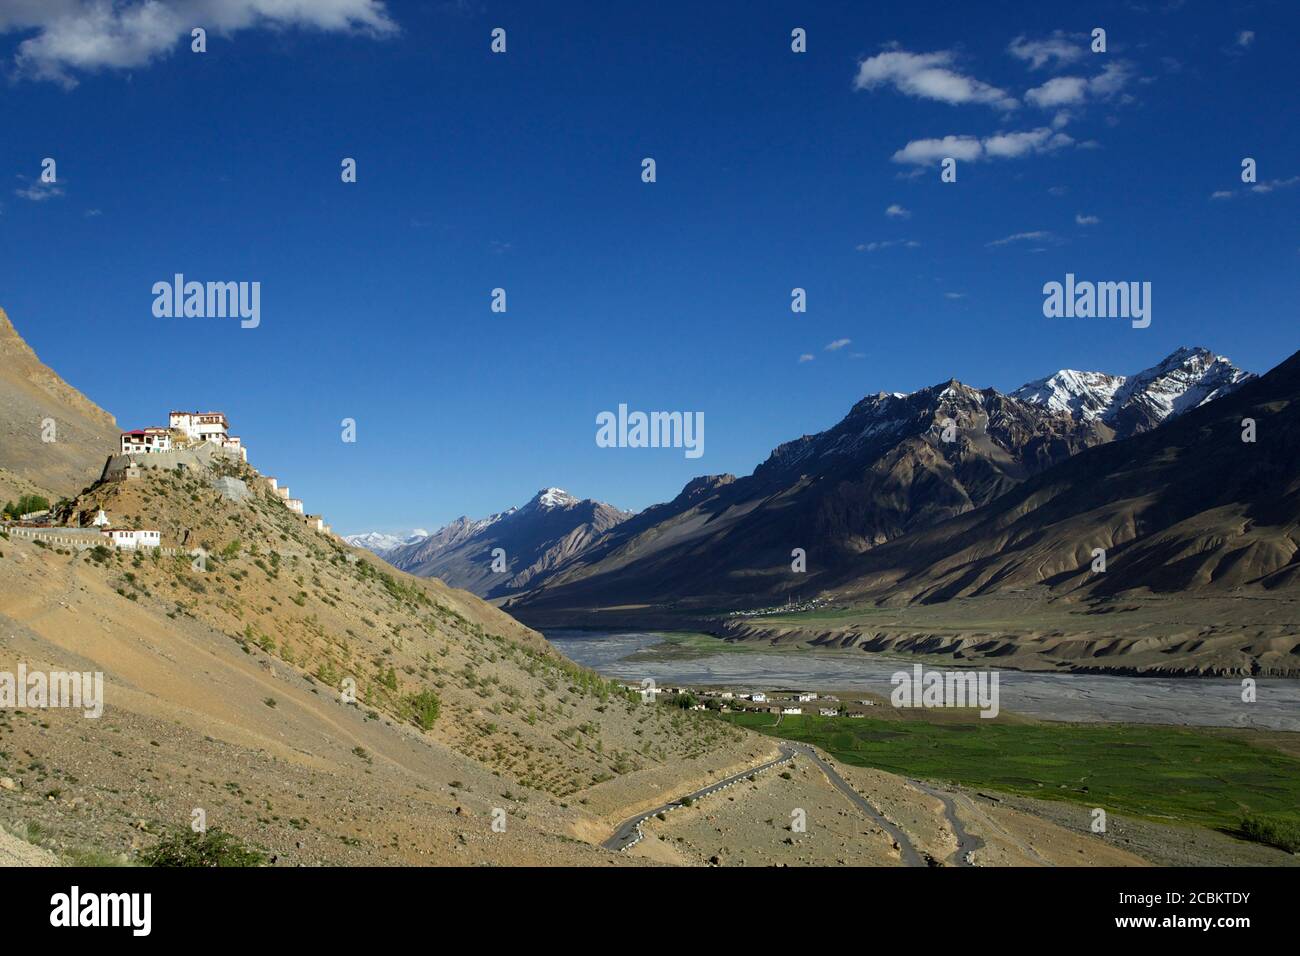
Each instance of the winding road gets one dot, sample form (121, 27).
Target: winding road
(629, 832)
(967, 843)
(906, 851)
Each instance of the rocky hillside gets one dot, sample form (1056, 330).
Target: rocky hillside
(552, 528)
(308, 698)
(1187, 379)
(895, 465)
(35, 458)
(226, 690)
(1187, 507)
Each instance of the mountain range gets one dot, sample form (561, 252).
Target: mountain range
(381, 543)
(510, 551)
(896, 464)
(893, 467)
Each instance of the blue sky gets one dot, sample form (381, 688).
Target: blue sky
(523, 170)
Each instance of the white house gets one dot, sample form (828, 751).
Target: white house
(792, 710)
(201, 426)
(759, 698)
(129, 540)
(295, 505)
(805, 698)
(828, 711)
(145, 440)
(208, 426)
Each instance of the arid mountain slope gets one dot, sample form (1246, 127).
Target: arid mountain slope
(549, 530)
(306, 696)
(225, 691)
(1189, 506)
(896, 464)
(32, 395)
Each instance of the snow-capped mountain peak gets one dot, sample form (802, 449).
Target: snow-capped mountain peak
(380, 542)
(549, 498)
(1185, 379)
(1081, 395)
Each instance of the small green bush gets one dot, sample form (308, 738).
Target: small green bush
(1283, 834)
(213, 848)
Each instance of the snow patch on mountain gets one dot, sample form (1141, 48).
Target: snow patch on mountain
(1186, 379)
(380, 542)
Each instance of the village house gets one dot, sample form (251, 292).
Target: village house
(792, 710)
(828, 711)
(759, 698)
(128, 540)
(145, 440)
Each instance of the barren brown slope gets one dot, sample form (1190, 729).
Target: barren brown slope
(31, 393)
(1188, 507)
(224, 693)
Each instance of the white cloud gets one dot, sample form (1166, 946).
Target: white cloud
(838, 344)
(1271, 184)
(1262, 189)
(37, 191)
(954, 295)
(895, 211)
(1083, 220)
(806, 357)
(1057, 47)
(924, 151)
(887, 244)
(1245, 38)
(1013, 145)
(971, 149)
(927, 76)
(74, 36)
(1074, 90)
(1058, 91)
(1038, 235)
(1110, 80)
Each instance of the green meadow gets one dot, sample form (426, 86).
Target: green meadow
(1166, 774)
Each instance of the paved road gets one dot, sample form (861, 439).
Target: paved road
(905, 849)
(967, 843)
(629, 833)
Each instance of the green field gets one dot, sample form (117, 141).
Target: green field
(1166, 774)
